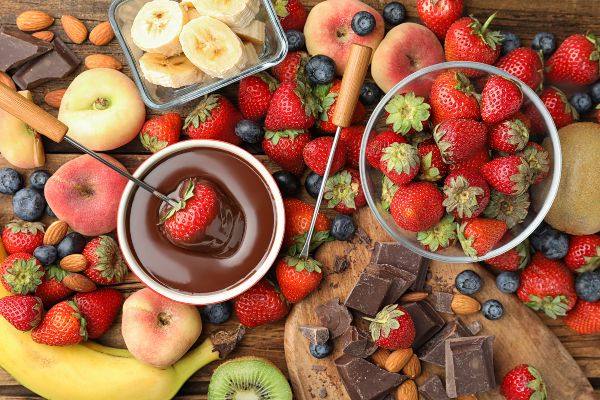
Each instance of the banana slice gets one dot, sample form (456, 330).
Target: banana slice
(235, 13)
(157, 26)
(188, 6)
(251, 55)
(213, 47)
(173, 72)
(253, 32)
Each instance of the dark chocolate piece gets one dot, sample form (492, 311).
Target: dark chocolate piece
(441, 302)
(340, 264)
(434, 351)
(469, 365)
(334, 316)
(395, 254)
(19, 47)
(475, 327)
(55, 64)
(315, 334)
(427, 322)
(224, 342)
(401, 280)
(357, 343)
(368, 293)
(433, 389)
(364, 380)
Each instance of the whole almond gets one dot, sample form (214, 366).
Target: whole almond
(34, 20)
(46, 36)
(413, 296)
(79, 283)
(74, 28)
(74, 263)
(397, 360)
(407, 391)
(412, 369)
(7, 80)
(102, 61)
(54, 97)
(380, 356)
(464, 305)
(55, 233)
(102, 34)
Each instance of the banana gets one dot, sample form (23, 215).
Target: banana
(157, 26)
(251, 55)
(172, 72)
(188, 6)
(235, 13)
(213, 47)
(253, 32)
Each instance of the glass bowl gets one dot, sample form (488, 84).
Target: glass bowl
(371, 178)
(121, 14)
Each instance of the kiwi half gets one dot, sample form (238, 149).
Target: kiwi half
(248, 378)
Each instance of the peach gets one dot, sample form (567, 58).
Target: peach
(85, 194)
(159, 331)
(328, 31)
(405, 49)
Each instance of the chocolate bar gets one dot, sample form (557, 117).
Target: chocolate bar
(357, 343)
(441, 302)
(315, 334)
(364, 380)
(401, 280)
(427, 322)
(434, 351)
(469, 365)
(19, 47)
(368, 293)
(334, 316)
(433, 389)
(395, 254)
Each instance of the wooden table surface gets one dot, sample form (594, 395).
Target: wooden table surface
(562, 17)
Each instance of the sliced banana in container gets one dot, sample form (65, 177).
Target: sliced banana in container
(173, 72)
(251, 55)
(253, 32)
(157, 26)
(235, 13)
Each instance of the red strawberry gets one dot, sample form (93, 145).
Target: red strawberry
(514, 259)
(22, 237)
(510, 209)
(558, 106)
(105, 261)
(285, 148)
(292, 65)
(438, 15)
(584, 253)
(344, 193)
(474, 163)
(417, 206)
(538, 160)
(523, 118)
(52, 290)
(213, 118)
(298, 278)
(460, 139)
(432, 166)
(160, 132)
(453, 96)
(379, 142)
(99, 308)
(62, 325)
(254, 95)
(584, 318)
(501, 98)
(407, 113)
(400, 162)
(327, 95)
(536, 121)
(466, 194)
(478, 236)
(352, 137)
(440, 236)
(509, 136)
(22, 311)
(293, 106)
(525, 64)
(259, 305)
(316, 154)
(523, 382)
(392, 328)
(21, 273)
(575, 61)
(547, 285)
(297, 221)
(291, 14)
(509, 175)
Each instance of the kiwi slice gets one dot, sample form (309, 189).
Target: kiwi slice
(248, 378)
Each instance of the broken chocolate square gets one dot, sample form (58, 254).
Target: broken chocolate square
(357, 343)
(441, 302)
(475, 327)
(334, 316)
(19, 47)
(315, 334)
(427, 321)
(469, 365)
(368, 293)
(401, 280)
(433, 389)
(434, 351)
(364, 380)
(397, 255)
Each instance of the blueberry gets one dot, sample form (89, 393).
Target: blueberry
(320, 70)
(468, 282)
(28, 204)
(295, 40)
(321, 350)
(582, 102)
(217, 313)
(544, 41)
(253, 148)
(492, 309)
(10, 181)
(45, 254)
(288, 183)
(511, 41)
(595, 92)
(38, 179)
(363, 23)
(587, 286)
(313, 184)
(508, 282)
(551, 243)
(49, 212)
(394, 13)
(249, 131)
(370, 94)
(73, 243)
(342, 227)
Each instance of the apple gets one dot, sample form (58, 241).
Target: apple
(328, 31)
(103, 109)
(159, 331)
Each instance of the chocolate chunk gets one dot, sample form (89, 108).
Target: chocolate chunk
(401, 280)
(19, 47)
(434, 351)
(469, 365)
(225, 341)
(357, 343)
(433, 389)
(364, 380)
(315, 334)
(55, 64)
(322, 393)
(368, 293)
(334, 316)
(395, 254)
(340, 264)
(474, 327)
(441, 302)
(427, 321)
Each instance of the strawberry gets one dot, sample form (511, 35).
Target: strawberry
(512, 260)
(562, 112)
(291, 14)
(352, 137)
(523, 382)
(160, 132)
(400, 162)
(22, 237)
(52, 290)
(291, 66)
(21, 273)
(509, 175)
(466, 194)
(379, 142)
(388, 190)
(254, 95)
(478, 236)
(62, 325)
(584, 318)
(392, 328)
(344, 192)
(99, 308)
(536, 121)
(440, 236)
(575, 61)
(417, 206)
(510, 209)
(523, 118)
(509, 136)
(432, 166)
(525, 64)
(474, 163)
(293, 106)
(547, 285)
(285, 148)
(22, 311)
(538, 160)
(316, 154)
(407, 113)
(213, 118)
(297, 277)
(453, 96)
(298, 215)
(438, 15)
(584, 253)
(259, 305)
(501, 98)
(105, 261)
(460, 139)
(328, 95)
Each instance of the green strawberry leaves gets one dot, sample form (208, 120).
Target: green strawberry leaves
(151, 143)
(18, 226)
(340, 188)
(202, 112)
(400, 157)
(188, 194)
(406, 112)
(388, 190)
(82, 321)
(537, 385)
(551, 306)
(440, 236)
(385, 321)
(23, 276)
(510, 209)
(461, 197)
(274, 136)
(318, 238)
(491, 38)
(281, 8)
(301, 264)
(429, 173)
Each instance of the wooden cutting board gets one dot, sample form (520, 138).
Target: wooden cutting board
(521, 337)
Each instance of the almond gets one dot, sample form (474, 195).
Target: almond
(74, 263)
(464, 305)
(74, 28)
(412, 369)
(102, 61)
(413, 296)
(380, 356)
(79, 283)
(54, 97)
(46, 36)
(407, 391)
(55, 233)
(7, 80)
(397, 360)
(34, 20)
(102, 34)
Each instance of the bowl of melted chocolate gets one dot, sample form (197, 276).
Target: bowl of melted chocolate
(223, 237)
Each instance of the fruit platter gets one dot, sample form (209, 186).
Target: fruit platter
(299, 199)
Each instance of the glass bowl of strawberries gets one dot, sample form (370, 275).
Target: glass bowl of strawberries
(448, 159)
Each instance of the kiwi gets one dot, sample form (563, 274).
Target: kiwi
(248, 378)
